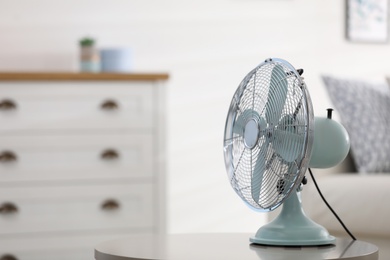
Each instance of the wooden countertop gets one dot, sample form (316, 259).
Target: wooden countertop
(79, 76)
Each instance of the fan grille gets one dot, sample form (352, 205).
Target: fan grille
(264, 174)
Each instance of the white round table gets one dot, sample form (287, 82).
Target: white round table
(225, 246)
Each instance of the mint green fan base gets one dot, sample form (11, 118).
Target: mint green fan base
(292, 228)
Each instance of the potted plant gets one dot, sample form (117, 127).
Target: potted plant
(89, 56)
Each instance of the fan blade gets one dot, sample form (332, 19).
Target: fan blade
(287, 143)
(288, 178)
(277, 94)
(258, 172)
(242, 119)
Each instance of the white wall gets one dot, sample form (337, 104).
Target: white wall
(207, 46)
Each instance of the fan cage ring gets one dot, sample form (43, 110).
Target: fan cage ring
(284, 139)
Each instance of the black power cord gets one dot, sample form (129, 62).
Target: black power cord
(330, 208)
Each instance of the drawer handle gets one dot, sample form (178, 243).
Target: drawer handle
(109, 105)
(7, 156)
(8, 208)
(109, 154)
(7, 104)
(8, 257)
(110, 205)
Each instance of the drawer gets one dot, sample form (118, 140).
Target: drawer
(75, 157)
(27, 210)
(75, 106)
(58, 246)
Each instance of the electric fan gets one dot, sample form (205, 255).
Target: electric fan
(271, 138)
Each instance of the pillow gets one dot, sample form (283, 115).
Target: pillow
(364, 110)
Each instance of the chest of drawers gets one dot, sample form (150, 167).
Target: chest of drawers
(82, 160)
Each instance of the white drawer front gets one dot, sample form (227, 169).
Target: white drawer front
(79, 208)
(79, 157)
(75, 106)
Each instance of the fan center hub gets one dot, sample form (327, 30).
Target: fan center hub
(251, 133)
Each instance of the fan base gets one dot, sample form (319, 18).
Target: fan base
(292, 228)
(330, 240)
